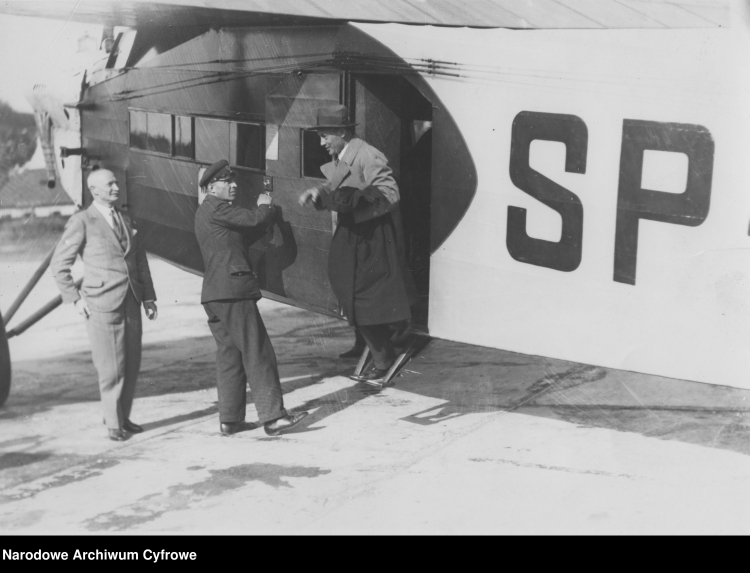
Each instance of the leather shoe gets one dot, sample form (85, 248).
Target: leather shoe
(229, 428)
(282, 424)
(116, 436)
(353, 352)
(129, 426)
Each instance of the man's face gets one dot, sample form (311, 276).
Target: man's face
(224, 189)
(104, 187)
(333, 140)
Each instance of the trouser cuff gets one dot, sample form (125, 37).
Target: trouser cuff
(274, 417)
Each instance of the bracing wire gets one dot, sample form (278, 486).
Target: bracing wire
(357, 62)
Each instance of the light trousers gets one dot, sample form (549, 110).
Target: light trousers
(116, 352)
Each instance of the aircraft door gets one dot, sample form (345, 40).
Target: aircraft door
(396, 118)
(292, 259)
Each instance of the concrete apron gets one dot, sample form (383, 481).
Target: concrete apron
(470, 440)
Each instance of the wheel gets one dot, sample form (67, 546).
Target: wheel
(4, 364)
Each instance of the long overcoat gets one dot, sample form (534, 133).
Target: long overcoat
(366, 263)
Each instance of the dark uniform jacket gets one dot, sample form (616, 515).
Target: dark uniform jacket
(366, 263)
(223, 232)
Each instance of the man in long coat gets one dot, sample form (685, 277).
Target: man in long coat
(244, 353)
(116, 281)
(366, 263)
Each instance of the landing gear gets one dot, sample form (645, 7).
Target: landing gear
(4, 364)
(5, 371)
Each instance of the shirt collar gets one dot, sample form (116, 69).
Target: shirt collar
(106, 211)
(343, 151)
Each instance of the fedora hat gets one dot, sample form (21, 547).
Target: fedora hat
(333, 116)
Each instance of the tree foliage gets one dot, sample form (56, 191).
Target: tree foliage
(18, 137)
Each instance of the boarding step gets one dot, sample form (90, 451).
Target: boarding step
(406, 349)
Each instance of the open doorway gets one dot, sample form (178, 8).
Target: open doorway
(396, 118)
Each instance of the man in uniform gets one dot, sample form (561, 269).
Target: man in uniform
(244, 352)
(116, 278)
(366, 263)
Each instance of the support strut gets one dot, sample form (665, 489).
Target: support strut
(5, 368)
(38, 315)
(5, 372)
(29, 286)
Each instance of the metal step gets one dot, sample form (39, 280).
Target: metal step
(414, 343)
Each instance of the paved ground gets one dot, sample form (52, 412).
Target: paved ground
(470, 440)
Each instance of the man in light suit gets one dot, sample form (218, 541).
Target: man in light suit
(366, 262)
(116, 280)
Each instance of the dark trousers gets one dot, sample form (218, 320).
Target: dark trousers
(359, 340)
(244, 354)
(116, 351)
(378, 339)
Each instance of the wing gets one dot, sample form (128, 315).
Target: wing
(519, 14)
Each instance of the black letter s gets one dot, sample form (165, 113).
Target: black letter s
(564, 255)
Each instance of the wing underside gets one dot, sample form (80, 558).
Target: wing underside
(518, 14)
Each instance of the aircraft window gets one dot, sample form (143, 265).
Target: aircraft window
(159, 133)
(313, 154)
(138, 129)
(183, 136)
(211, 139)
(249, 145)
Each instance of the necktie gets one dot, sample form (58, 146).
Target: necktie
(118, 229)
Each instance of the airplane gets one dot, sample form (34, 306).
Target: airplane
(571, 171)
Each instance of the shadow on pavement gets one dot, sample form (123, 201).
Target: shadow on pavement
(470, 379)
(475, 379)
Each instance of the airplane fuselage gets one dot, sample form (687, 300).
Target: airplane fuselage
(575, 194)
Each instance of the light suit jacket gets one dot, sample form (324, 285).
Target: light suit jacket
(108, 271)
(364, 168)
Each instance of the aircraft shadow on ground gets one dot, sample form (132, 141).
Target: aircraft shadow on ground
(307, 354)
(473, 379)
(467, 379)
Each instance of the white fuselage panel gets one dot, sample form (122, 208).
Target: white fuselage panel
(687, 315)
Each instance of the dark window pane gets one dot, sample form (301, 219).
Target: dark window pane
(211, 140)
(313, 154)
(183, 136)
(138, 129)
(160, 132)
(250, 146)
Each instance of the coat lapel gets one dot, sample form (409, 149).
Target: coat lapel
(127, 227)
(98, 220)
(337, 173)
(327, 169)
(352, 150)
